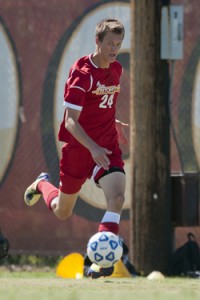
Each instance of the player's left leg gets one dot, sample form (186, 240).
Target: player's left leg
(113, 186)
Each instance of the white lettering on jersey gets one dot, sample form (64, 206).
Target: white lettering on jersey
(102, 89)
(107, 101)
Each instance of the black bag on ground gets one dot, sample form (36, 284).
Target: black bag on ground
(4, 246)
(186, 259)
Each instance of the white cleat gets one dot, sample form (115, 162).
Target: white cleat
(31, 195)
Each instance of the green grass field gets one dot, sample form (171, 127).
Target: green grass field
(42, 286)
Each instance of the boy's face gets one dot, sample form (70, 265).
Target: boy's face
(108, 49)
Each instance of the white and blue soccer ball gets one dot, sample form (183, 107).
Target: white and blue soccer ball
(104, 249)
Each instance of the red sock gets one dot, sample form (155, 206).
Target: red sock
(109, 226)
(48, 191)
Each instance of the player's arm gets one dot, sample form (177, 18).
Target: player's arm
(98, 153)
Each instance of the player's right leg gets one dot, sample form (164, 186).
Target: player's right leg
(60, 203)
(31, 195)
(74, 170)
(63, 205)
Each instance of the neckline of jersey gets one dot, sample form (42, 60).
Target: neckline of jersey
(90, 59)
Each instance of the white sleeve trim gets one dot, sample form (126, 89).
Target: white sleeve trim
(73, 106)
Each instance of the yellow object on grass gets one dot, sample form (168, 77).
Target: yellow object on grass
(120, 270)
(71, 266)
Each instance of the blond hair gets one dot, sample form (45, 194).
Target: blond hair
(106, 25)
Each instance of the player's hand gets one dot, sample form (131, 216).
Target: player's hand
(100, 156)
(120, 131)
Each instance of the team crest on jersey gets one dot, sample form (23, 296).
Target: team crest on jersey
(102, 89)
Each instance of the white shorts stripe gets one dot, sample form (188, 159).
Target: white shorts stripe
(95, 171)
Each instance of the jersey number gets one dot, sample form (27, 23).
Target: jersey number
(106, 101)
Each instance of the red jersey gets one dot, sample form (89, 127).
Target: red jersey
(93, 91)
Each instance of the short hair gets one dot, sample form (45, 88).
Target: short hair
(109, 25)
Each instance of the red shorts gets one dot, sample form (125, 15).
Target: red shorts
(77, 165)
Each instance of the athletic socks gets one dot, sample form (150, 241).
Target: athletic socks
(110, 222)
(48, 191)
(109, 226)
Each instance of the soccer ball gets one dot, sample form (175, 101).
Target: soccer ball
(104, 248)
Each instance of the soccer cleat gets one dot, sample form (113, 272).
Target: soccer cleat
(31, 195)
(96, 271)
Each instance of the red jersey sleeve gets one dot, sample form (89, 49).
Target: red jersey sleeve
(77, 85)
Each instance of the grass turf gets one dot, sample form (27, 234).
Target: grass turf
(40, 285)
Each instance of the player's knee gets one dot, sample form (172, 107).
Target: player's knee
(119, 200)
(63, 214)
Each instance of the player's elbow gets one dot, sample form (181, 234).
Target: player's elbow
(69, 124)
(71, 120)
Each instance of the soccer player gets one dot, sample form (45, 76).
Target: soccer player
(91, 134)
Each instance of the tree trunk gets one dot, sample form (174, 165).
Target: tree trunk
(151, 229)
